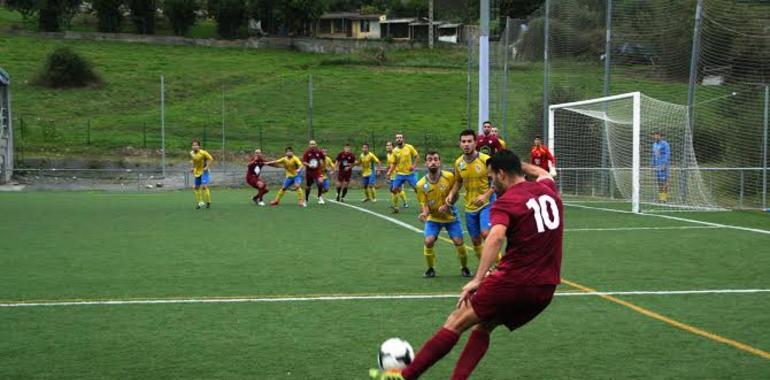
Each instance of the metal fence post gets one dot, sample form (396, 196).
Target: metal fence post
(764, 148)
(310, 107)
(144, 135)
(505, 78)
(740, 194)
(223, 123)
(468, 95)
(162, 127)
(88, 132)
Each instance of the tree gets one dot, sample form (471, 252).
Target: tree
(180, 14)
(143, 15)
(64, 68)
(52, 14)
(229, 15)
(109, 15)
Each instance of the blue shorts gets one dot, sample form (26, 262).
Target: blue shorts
(478, 221)
(289, 181)
(661, 175)
(326, 184)
(204, 179)
(401, 178)
(370, 180)
(454, 229)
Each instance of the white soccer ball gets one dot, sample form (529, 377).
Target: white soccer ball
(201, 204)
(313, 163)
(395, 353)
(257, 170)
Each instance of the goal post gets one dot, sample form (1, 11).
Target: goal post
(643, 145)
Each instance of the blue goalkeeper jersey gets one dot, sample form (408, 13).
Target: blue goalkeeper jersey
(661, 153)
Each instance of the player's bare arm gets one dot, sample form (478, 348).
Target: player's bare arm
(535, 171)
(484, 197)
(452, 197)
(492, 246)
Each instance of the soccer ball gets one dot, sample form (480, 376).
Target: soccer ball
(201, 204)
(395, 353)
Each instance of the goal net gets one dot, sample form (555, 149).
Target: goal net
(630, 148)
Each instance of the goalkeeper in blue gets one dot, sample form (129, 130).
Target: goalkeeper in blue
(661, 162)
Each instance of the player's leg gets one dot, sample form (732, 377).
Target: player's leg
(442, 341)
(287, 183)
(473, 224)
(320, 186)
(308, 185)
(298, 189)
(455, 231)
(411, 179)
(262, 190)
(345, 189)
(365, 184)
(474, 350)
(205, 180)
(339, 187)
(197, 193)
(432, 230)
(373, 187)
(395, 188)
(402, 195)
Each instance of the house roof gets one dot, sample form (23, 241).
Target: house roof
(398, 21)
(449, 26)
(349, 16)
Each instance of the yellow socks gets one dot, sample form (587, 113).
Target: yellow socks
(462, 254)
(197, 193)
(280, 194)
(477, 249)
(402, 195)
(300, 195)
(207, 195)
(430, 257)
(371, 193)
(394, 200)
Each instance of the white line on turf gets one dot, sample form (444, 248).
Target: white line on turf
(718, 225)
(162, 301)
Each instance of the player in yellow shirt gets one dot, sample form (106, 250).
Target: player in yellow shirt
(471, 173)
(201, 161)
(367, 160)
(406, 160)
(438, 213)
(502, 142)
(292, 166)
(327, 170)
(391, 173)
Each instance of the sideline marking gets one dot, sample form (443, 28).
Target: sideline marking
(683, 326)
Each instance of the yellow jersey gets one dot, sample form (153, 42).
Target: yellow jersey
(475, 179)
(434, 196)
(199, 161)
(391, 160)
(367, 163)
(326, 165)
(290, 165)
(502, 143)
(405, 156)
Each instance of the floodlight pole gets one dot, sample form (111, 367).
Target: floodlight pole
(691, 92)
(223, 123)
(162, 127)
(505, 77)
(546, 36)
(310, 134)
(430, 24)
(483, 65)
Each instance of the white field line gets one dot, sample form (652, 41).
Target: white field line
(167, 301)
(730, 226)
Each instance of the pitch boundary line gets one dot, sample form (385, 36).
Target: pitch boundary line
(350, 297)
(677, 218)
(649, 313)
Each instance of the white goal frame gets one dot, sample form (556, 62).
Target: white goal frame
(636, 130)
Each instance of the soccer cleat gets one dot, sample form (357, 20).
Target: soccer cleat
(197, 207)
(255, 199)
(466, 272)
(392, 374)
(321, 200)
(406, 205)
(208, 204)
(261, 203)
(394, 209)
(303, 204)
(374, 200)
(274, 202)
(338, 197)
(365, 200)
(430, 273)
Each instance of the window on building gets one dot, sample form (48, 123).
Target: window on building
(364, 26)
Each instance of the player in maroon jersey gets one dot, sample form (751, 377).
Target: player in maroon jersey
(539, 155)
(344, 168)
(488, 142)
(528, 216)
(313, 160)
(253, 171)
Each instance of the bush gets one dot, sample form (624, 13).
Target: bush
(180, 14)
(230, 16)
(52, 14)
(143, 15)
(109, 15)
(64, 68)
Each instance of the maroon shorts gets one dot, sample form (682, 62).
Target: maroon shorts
(344, 176)
(510, 304)
(254, 181)
(312, 177)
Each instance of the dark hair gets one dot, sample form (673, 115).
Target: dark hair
(288, 148)
(538, 137)
(196, 141)
(366, 143)
(486, 122)
(468, 132)
(432, 152)
(506, 161)
(347, 144)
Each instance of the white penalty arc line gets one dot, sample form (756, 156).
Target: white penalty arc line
(162, 301)
(716, 225)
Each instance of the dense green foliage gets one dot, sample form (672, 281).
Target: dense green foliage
(180, 14)
(65, 68)
(143, 14)
(109, 14)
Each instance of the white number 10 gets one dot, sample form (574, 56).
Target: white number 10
(542, 216)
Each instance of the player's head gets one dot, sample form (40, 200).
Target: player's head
(258, 152)
(494, 131)
(657, 135)
(365, 148)
(400, 139)
(468, 141)
(432, 161)
(538, 141)
(312, 144)
(346, 148)
(389, 146)
(486, 127)
(289, 151)
(323, 150)
(505, 170)
(196, 145)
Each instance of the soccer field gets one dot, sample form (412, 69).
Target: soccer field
(141, 285)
